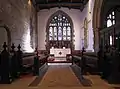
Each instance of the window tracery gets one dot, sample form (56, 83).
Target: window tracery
(111, 19)
(60, 28)
(59, 31)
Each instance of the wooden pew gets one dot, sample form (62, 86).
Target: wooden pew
(43, 59)
(69, 57)
(5, 68)
(9, 65)
(88, 62)
(39, 61)
(91, 61)
(13, 63)
(81, 62)
(76, 60)
(32, 63)
(27, 62)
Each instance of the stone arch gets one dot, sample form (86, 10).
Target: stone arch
(62, 12)
(96, 22)
(4, 26)
(71, 22)
(99, 13)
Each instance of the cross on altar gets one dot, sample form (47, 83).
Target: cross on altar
(60, 53)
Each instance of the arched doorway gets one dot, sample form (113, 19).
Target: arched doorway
(5, 35)
(59, 31)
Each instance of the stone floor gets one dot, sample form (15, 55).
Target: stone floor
(59, 63)
(59, 77)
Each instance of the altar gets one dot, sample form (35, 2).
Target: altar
(58, 52)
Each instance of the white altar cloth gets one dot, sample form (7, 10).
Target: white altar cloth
(60, 52)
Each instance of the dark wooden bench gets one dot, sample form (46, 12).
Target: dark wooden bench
(69, 57)
(43, 59)
(27, 62)
(39, 61)
(77, 60)
(91, 61)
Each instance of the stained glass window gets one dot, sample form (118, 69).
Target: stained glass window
(111, 19)
(64, 33)
(55, 33)
(60, 28)
(50, 33)
(59, 33)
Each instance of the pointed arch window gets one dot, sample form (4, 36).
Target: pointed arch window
(59, 31)
(111, 19)
(59, 28)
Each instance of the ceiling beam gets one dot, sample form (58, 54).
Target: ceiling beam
(60, 4)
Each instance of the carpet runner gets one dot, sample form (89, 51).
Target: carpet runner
(60, 76)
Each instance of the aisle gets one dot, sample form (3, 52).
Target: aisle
(60, 76)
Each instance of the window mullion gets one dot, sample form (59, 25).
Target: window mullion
(53, 32)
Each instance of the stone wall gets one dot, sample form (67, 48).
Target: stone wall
(20, 17)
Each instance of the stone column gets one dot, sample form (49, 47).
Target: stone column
(96, 39)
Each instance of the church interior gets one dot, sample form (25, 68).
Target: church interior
(60, 44)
